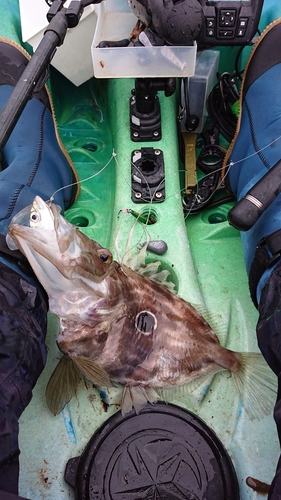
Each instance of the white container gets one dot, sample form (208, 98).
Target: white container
(116, 22)
(73, 59)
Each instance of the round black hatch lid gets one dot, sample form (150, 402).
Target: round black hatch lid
(164, 453)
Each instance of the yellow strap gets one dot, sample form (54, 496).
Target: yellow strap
(189, 139)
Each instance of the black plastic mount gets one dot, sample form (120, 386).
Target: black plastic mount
(148, 176)
(145, 113)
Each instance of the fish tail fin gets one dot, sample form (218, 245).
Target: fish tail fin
(136, 397)
(256, 384)
(62, 385)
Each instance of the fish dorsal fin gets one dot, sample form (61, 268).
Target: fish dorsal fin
(151, 271)
(137, 263)
(161, 277)
(256, 384)
(62, 385)
(137, 397)
(92, 371)
(215, 320)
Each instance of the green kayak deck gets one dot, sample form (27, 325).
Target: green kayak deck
(205, 259)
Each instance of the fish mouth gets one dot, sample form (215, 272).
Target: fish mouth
(41, 227)
(31, 235)
(55, 278)
(33, 245)
(26, 238)
(52, 251)
(24, 225)
(63, 259)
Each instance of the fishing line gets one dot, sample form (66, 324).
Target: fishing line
(226, 169)
(83, 180)
(127, 250)
(138, 220)
(228, 166)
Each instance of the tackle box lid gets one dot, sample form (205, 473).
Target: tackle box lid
(165, 452)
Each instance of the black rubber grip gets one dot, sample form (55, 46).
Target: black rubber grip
(249, 209)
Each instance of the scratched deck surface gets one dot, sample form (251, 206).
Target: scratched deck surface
(204, 256)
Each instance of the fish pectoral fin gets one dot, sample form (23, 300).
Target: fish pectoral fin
(62, 385)
(92, 371)
(137, 396)
(256, 384)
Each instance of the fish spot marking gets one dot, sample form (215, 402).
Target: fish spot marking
(146, 322)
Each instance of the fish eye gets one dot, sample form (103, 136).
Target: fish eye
(34, 217)
(105, 255)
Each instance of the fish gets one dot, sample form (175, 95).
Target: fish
(121, 323)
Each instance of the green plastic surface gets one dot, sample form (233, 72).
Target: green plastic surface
(205, 258)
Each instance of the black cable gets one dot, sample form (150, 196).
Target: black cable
(219, 105)
(236, 63)
(224, 95)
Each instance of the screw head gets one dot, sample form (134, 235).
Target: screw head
(158, 194)
(135, 134)
(155, 133)
(138, 195)
(157, 152)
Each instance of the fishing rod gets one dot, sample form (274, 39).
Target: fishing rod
(60, 19)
